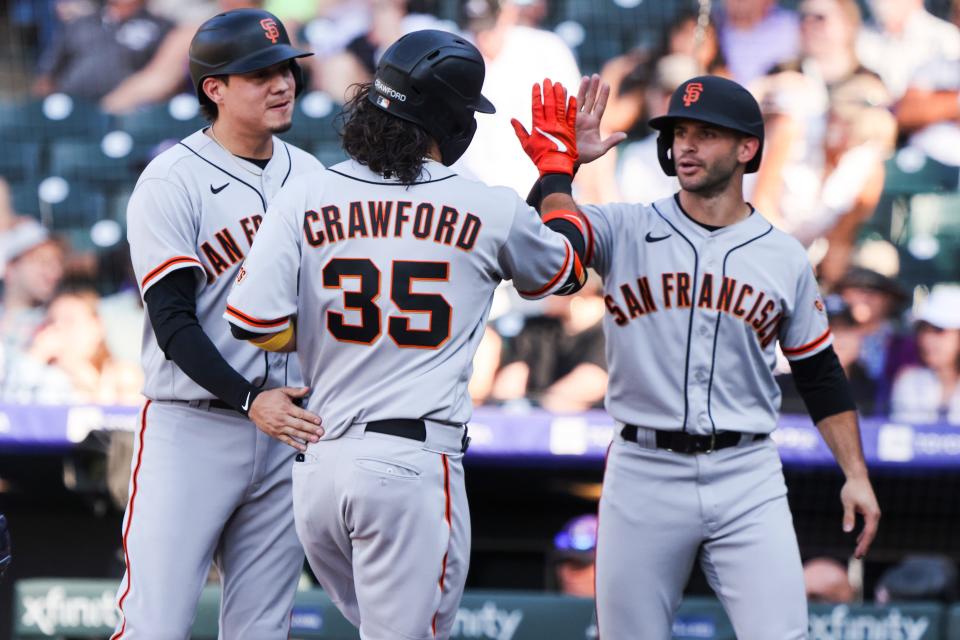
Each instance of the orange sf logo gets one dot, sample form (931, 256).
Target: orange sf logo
(241, 275)
(270, 30)
(692, 94)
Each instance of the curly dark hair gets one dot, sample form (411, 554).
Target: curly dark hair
(390, 146)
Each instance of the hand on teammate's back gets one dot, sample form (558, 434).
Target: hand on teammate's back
(857, 497)
(592, 98)
(275, 413)
(552, 140)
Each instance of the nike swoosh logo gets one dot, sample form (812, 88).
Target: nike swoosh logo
(651, 238)
(217, 190)
(246, 401)
(562, 148)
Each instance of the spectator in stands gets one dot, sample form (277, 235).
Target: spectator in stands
(166, 73)
(573, 557)
(73, 339)
(486, 361)
(639, 177)
(517, 56)
(824, 155)
(826, 581)
(637, 81)
(848, 344)
(930, 392)
(919, 577)
(33, 269)
(337, 69)
(903, 38)
(557, 359)
(92, 55)
(876, 302)
(756, 35)
(930, 110)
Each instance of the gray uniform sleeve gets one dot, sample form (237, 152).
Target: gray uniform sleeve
(535, 257)
(602, 223)
(264, 295)
(162, 228)
(805, 331)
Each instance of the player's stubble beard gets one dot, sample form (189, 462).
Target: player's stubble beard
(714, 180)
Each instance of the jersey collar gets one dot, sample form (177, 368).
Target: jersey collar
(750, 226)
(432, 172)
(209, 149)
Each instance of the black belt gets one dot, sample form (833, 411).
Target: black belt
(220, 404)
(407, 428)
(684, 442)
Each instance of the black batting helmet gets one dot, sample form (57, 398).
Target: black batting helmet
(241, 41)
(433, 79)
(713, 100)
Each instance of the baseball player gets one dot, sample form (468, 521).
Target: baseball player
(380, 271)
(206, 484)
(699, 290)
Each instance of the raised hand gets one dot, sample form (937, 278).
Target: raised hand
(552, 143)
(592, 98)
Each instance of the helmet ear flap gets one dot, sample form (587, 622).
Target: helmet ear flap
(665, 153)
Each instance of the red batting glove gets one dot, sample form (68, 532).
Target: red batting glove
(553, 143)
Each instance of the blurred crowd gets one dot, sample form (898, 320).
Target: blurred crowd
(842, 90)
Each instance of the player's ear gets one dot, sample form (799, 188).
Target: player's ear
(213, 88)
(748, 148)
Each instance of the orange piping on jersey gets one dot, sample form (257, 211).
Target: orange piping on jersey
(263, 324)
(581, 222)
(126, 532)
(169, 263)
(556, 278)
(810, 346)
(446, 494)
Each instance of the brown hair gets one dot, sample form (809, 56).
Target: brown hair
(389, 146)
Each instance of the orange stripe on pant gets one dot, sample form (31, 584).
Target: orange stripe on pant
(446, 494)
(126, 531)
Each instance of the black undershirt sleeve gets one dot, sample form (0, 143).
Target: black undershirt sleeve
(172, 306)
(822, 385)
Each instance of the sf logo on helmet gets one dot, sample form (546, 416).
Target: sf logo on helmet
(692, 94)
(270, 30)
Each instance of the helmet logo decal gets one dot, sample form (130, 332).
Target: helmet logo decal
(692, 94)
(270, 30)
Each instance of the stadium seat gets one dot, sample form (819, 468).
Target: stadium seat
(19, 161)
(314, 122)
(89, 160)
(175, 120)
(55, 117)
(69, 203)
(910, 173)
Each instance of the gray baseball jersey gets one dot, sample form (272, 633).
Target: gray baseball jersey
(693, 317)
(197, 206)
(390, 285)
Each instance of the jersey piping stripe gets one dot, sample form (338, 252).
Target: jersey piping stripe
(716, 329)
(556, 278)
(126, 532)
(810, 346)
(693, 308)
(263, 201)
(263, 324)
(289, 163)
(443, 570)
(169, 263)
(390, 184)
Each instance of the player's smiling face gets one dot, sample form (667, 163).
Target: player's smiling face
(260, 101)
(707, 156)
